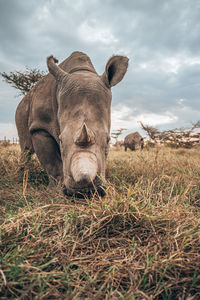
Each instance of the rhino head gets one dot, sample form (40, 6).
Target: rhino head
(83, 114)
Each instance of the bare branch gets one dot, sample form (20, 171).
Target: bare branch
(151, 131)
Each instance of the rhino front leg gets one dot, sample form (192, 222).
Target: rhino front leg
(48, 153)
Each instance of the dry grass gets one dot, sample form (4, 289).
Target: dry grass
(141, 241)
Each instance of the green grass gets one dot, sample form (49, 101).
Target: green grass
(141, 241)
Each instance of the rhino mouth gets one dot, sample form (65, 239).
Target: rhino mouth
(97, 187)
(85, 192)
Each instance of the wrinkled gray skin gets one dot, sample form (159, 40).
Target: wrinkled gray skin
(133, 141)
(65, 120)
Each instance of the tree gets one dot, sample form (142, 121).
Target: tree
(23, 81)
(116, 133)
(151, 131)
(179, 137)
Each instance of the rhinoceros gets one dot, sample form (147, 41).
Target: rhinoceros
(133, 141)
(65, 120)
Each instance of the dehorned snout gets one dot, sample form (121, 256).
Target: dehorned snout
(84, 168)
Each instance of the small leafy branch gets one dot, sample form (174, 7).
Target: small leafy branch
(23, 81)
(116, 133)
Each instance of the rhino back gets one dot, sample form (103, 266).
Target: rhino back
(76, 61)
(132, 137)
(43, 107)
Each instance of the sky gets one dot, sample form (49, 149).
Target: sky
(161, 39)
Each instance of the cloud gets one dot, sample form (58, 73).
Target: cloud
(161, 38)
(156, 119)
(90, 31)
(124, 117)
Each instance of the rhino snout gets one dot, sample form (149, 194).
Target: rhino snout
(84, 168)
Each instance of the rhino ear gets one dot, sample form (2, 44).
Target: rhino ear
(116, 68)
(55, 70)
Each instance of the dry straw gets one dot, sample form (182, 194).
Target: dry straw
(141, 241)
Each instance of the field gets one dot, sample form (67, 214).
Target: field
(141, 241)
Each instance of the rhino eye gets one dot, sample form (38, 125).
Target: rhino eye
(108, 140)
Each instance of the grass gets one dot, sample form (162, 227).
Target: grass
(141, 241)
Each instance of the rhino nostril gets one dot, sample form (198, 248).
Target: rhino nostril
(84, 168)
(84, 179)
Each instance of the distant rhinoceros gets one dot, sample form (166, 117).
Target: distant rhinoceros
(133, 141)
(65, 120)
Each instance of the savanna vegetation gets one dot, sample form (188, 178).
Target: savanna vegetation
(141, 241)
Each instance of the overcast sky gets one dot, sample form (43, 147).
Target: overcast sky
(161, 38)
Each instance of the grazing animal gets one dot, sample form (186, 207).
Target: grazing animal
(65, 120)
(133, 141)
